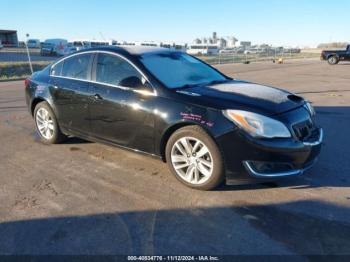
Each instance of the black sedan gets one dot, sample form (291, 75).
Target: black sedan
(208, 127)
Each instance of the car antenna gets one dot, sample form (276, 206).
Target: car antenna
(29, 60)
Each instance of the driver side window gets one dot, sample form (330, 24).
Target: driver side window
(114, 70)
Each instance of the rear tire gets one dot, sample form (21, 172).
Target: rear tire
(194, 158)
(47, 125)
(333, 60)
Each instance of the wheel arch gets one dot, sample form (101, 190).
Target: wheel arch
(171, 130)
(332, 54)
(36, 101)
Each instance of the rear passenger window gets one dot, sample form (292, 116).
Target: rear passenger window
(56, 70)
(77, 67)
(113, 70)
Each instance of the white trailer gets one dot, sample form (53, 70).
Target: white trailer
(203, 49)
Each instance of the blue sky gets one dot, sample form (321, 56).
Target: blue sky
(279, 22)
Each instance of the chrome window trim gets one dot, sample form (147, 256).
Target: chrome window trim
(154, 93)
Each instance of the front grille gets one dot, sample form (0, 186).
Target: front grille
(305, 130)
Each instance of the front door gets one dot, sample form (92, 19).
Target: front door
(116, 114)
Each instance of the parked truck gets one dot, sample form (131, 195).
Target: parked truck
(335, 56)
(54, 47)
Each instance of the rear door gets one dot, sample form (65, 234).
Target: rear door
(71, 93)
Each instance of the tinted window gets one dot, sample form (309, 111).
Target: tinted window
(77, 66)
(113, 70)
(175, 69)
(57, 69)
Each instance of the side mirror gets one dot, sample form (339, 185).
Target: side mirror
(132, 82)
(138, 85)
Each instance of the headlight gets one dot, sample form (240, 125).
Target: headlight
(257, 125)
(310, 108)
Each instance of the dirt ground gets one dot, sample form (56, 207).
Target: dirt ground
(87, 198)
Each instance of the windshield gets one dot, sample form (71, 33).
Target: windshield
(176, 70)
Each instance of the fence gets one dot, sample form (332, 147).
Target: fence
(14, 61)
(229, 58)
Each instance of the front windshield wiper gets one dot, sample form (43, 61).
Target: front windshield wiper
(217, 82)
(202, 84)
(187, 86)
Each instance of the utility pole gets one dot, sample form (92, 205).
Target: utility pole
(30, 61)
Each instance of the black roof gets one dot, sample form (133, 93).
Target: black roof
(131, 50)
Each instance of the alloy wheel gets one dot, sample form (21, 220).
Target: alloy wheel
(192, 160)
(45, 123)
(333, 60)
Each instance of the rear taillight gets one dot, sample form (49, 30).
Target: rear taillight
(27, 82)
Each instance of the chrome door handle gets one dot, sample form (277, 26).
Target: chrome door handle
(97, 97)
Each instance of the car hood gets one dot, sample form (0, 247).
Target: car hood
(247, 96)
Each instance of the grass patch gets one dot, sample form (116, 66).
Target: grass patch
(19, 70)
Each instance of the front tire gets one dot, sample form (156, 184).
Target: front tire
(333, 60)
(194, 158)
(47, 125)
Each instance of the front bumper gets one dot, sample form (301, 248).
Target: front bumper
(249, 160)
(285, 169)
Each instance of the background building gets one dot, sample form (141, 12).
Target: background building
(231, 42)
(220, 42)
(9, 38)
(245, 44)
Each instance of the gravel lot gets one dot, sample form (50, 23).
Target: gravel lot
(87, 198)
